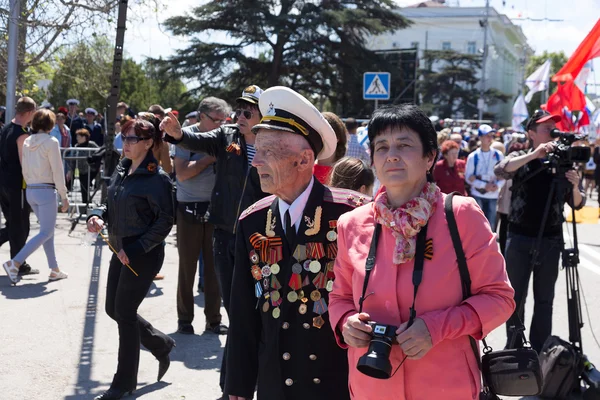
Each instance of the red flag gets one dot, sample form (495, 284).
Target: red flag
(587, 50)
(564, 101)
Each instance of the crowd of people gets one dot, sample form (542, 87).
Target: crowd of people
(281, 208)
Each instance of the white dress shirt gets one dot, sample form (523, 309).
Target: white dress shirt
(296, 208)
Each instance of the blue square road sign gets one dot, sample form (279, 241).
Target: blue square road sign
(376, 86)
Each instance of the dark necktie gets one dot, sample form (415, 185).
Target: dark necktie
(290, 230)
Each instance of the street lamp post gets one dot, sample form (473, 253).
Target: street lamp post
(481, 102)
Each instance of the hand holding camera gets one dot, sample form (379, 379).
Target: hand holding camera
(356, 331)
(414, 341)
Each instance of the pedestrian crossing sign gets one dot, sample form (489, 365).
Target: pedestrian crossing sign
(376, 86)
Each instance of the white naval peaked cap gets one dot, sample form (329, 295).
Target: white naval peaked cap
(286, 110)
(72, 101)
(90, 110)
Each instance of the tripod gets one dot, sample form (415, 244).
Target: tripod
(570, 261)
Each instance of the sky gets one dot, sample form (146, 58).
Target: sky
(150, 39)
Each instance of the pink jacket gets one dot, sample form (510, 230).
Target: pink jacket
(449, 370)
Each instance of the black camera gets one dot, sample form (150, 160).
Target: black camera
(376, 361)
(565, 155)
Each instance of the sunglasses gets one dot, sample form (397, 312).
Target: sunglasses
(246, 113)
(216, 121)
(133, 139)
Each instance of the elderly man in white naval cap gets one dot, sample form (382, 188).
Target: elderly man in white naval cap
(95, 129)
(280, 336)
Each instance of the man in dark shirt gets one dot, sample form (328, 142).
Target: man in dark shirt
(12, 186)
(95, 129)
(74, 122)
(528, 202)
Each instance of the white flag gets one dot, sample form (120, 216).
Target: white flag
(538, 81)
(519, 113)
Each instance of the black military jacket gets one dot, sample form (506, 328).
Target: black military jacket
(279, 334)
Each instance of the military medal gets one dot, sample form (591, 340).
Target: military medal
(275, 297)
(254, 257)
(318, 322)
(306, 265)
(266, 271)
(332, 250)
(295, 281)
(275, 269)
(315, 251)
(266, 283)
(329, 286)
(276, 312)
(256, 273)
(314, 225)
(297, 268)
(271, 222)
(314, 266)
(301, 295)
(302, 309)
(320, 281)
(275, 283)
(292, 296)
(300, 252)
(320, 307)
(258, 290)
(332, 235)
(315, 295)
(306, 281)
(265, 307)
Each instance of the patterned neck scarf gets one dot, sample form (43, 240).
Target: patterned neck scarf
(406, 221)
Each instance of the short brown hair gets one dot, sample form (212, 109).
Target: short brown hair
(25, 105)
(61, 116)
(157, 109)
(351, 173)
(43, 121)
(340, 133)
(144, 129)
(83, 132)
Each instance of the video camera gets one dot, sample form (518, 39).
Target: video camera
(565, 155)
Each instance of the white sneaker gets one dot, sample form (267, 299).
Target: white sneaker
(11, 271)
(56, 276)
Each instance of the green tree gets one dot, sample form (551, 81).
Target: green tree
(557, 60)
(84, 71)
(448, 85)
(315, 47)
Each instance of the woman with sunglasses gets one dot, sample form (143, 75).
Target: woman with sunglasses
(431, 358)
(139, 215)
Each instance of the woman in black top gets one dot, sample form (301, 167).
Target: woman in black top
(139, 214)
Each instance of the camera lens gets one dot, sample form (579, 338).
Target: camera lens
(376, 361)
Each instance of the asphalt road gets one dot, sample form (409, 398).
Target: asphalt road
(58, 343)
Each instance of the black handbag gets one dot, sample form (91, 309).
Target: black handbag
(510, 372)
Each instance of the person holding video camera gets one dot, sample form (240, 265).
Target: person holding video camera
(425, 335)
(530, 192)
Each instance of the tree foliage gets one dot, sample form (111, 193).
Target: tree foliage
(315, 47)
(557, 60)
(449, 86)
(84, 73)
(47, 26)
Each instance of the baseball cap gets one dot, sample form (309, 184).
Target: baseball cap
(485, 129)
(540, 116)
(251, 94)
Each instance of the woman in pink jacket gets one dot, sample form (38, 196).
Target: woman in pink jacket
(432, 358)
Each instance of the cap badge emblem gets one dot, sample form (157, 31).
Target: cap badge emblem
(271, 111)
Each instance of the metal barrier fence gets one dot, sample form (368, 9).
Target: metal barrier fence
(84, 181)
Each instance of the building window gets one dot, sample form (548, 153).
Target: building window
(414, 45)
(446, 46)
(471, 48)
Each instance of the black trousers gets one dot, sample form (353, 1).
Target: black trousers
(224, 250)
(16, 212)
(545, 272)
(124, 294)
(502, 229)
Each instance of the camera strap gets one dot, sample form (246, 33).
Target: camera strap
(417, 272)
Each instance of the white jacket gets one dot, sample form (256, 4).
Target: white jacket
(42, 162)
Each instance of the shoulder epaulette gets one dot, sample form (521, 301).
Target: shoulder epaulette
(259, 205)
(345, 196)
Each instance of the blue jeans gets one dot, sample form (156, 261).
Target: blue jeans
(519, 268)
(42, 199)
(489, 207)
